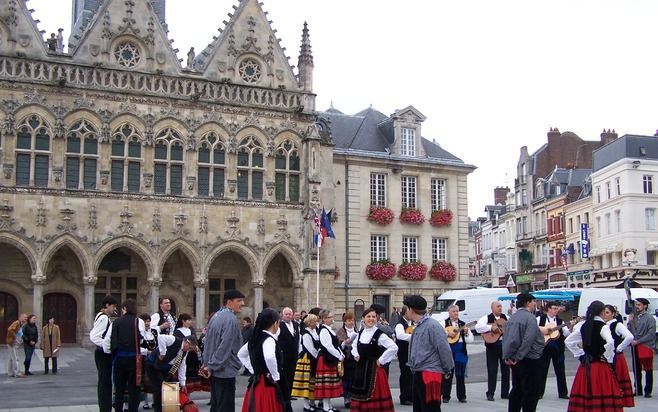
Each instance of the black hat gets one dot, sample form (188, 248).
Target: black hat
(642, 301)
(232, 294)
(379, 309)
(415, 302)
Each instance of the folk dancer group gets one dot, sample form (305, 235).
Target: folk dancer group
(307, 359)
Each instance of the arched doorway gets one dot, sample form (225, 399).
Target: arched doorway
(229, 270)
(64, 308)
(8, 313)
(178, 283)
(278, 291)
(122, 274)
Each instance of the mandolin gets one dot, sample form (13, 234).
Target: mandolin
(493, 337)
(450, 330)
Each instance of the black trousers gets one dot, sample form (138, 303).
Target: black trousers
(156, 376)
(104, 387)
(46, 362)
(124, 381)
(405, 382)
(418, 397)
(222, 394)
(648, 387)
(526, 378)
(495, 358)
(459, 375)
(555, 353)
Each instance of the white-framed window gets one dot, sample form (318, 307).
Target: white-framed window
(408, 142)
(408, 185)
(81, 156)
(438, 194)
(378, 247)
(608, 189)
(647, 184)
(607, 224)
(250, 169)
(618, 185)
(287, 174)
(598, 226)
(169, 159)
(597, 189)
(618, 221)
(409, 249)
(211, 160)
(378, 189)
(126, 160)
(650, 218)
(33, 152)
(439, 249)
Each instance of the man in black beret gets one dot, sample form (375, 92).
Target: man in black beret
(430, 356)
(643, 327)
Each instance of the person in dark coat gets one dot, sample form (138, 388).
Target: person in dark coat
(124, 344)
(289, 339)
(30, 339)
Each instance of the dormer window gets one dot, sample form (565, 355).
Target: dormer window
(408, 142)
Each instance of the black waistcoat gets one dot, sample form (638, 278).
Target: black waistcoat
(560, 341)
(617, 338)
(492, 319)
(462, 333)
(403, 345)
(595, 348)
(336, 344)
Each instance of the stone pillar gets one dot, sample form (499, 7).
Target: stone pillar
(201, 309)
(258, 297)
(154, 295)
(89, 284)
(37, 300)
(298, 294)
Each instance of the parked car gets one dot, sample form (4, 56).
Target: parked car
(472, 303)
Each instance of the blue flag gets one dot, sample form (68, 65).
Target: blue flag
(326, 224)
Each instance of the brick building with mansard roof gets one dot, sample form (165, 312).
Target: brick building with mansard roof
(125, 172)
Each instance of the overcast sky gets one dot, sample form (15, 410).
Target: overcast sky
(491, 76)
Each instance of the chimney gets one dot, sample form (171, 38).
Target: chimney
(608, 136)
(500, 195)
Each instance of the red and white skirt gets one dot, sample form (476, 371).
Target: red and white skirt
(327, 383)
(381, 399)
(624, 379)
(264, 398)
(605, 394)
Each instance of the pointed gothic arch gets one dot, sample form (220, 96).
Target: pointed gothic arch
(287, 252)
(25, 248)
(72, 243)
(243, 251)
(23, 113)
(187, 248)
(141, 249)
(87, 115)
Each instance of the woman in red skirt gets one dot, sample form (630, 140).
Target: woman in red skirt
(369, 389)
(262, 357)
(595, 387)
(623, 338)
(327, 382)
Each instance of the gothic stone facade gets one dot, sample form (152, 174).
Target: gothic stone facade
(125, 173)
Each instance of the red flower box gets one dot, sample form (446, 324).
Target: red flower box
(442, 217)
(380, 215)
(412, 216)
(380, 270)
(443, 271)
(413, 271)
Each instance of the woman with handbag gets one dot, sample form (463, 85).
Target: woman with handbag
(372, 350)
(328, 384)
(303, 384)
(262, 357)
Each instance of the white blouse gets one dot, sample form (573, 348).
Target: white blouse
(307, 341)
(622, 331)
(384, 341)
(185, 331)
(327, 344)
(269, 354)
(574, 341)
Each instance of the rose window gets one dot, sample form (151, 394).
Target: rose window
(127, 54)
(250, 70)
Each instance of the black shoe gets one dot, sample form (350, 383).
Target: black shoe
(45, 372)
(446, 400)
(647, 395)
(490, 397)
(28, 373)
(406, 403)
(504, 396)
(347, 405)
(563, 396)
(462, 400)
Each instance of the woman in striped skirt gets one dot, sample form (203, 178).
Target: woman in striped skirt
(623, 338)
(328, 384)
(303, 385)
(373, 349)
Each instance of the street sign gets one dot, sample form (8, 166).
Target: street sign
(584, 241)
(510, 282)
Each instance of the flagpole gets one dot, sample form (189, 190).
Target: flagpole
(317, 278)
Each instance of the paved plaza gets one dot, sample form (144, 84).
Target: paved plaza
(73, 389)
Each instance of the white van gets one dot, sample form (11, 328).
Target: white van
(616, 297)
(472, 303)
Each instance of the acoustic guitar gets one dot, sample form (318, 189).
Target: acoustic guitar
(451, 329)
(551, 330)
(493, 337)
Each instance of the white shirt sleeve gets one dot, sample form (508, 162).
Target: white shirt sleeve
(400, 333)
(391, 349)
(97, 331)
(355, 350)
(609, 344)
(269, 353)
(307, 341)
(107, 341)
(623, 331)
(325, 341)
(182, 371)
(468, 336)
(574, 341)
(565, 331)
(155, 318)
(243, 355)
(163, 342)
(482, 326)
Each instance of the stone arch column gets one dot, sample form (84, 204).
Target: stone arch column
(200, 287)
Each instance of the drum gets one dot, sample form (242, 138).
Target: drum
(170, 397)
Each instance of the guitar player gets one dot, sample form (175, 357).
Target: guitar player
(459, 354)
(554, 349)
(488, 324)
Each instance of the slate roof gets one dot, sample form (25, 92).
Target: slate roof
(372, 131)
(627, 146)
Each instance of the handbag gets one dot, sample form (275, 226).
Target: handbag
(138, 358)
(340, 369)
